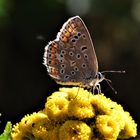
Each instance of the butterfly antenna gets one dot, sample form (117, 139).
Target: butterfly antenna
(108, 82)
(112, 71)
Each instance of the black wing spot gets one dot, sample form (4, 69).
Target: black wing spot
(62, 71)
(49, 62)
(61, 55)
(78, 56)
(63, 52)
(72, 63)
(83, 48)
(73, 80)
(63, 65)
(76, 37)
(66, 77)
(50, 48)
(79, 34)
(72, 72)
(84, 36)
(61, 60)
(49, 55)
(83, 65)
(73, 40)
(71, 53)
(86, 56)
(76, 68)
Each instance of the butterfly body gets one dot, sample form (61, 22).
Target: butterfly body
(70, 58)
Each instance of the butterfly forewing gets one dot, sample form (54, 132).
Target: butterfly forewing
(70, 58)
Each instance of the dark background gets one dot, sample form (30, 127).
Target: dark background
(26, 26)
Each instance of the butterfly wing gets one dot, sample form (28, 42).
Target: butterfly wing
(70, 59)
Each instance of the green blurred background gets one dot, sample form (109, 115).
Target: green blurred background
(26, 26)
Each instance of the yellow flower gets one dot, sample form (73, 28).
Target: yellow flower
(76, 92)
(24, 129)
(59, 94)
(130, 128)
(53, 134)
(81, 108)
(107, 126)
(75, 130)
(76, 114)
(29, 121)
(16, 133)
(57, 108)
(102, 104)
(40, 132)
(118, 114)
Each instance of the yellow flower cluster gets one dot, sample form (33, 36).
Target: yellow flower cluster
(76, 114)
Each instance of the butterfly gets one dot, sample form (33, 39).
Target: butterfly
(71, 59)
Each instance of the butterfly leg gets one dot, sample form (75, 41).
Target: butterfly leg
(77, 92)
(98, 88)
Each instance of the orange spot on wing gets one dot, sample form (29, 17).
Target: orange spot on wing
(64, 38)
(67, 34)
(55, 45)
(74, 31)
(70, 29)
(54, 72)
(73, 25)
(53, 50)
(53, 62)
(53, 55)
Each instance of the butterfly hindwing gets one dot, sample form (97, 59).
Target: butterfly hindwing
(71, 58)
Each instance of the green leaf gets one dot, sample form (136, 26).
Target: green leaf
(6, 135)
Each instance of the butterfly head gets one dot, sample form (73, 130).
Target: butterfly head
(99, 77)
